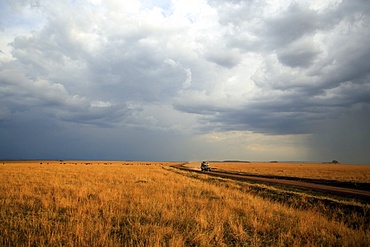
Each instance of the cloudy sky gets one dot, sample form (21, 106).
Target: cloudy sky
(185, 80)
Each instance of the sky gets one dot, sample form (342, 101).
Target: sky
(185, 80)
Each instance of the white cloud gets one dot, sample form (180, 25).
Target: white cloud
(101, 104)
(323, 5)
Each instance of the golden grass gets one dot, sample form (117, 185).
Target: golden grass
(339, 172)
(147, 204)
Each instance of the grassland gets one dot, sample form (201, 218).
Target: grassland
(338, 172)
(152, 204)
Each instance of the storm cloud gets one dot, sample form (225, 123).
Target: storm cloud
(181, 80)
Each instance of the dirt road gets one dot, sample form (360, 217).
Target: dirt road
(332, 190)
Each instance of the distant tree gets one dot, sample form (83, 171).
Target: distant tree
(335, 162)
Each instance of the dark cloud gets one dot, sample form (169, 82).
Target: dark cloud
(290, 25)
(30, 136)
(301, 54)
(288, 114)
(85, 79)
(344, 138)
(226, 59)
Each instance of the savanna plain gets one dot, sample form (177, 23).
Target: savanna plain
(119, 203)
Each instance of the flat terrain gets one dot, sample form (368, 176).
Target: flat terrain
(337, 187)
(348, 182)
(103, 203)
(338, 172)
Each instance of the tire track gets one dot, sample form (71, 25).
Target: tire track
(328, 189)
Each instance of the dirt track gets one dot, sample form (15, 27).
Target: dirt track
(332, 190)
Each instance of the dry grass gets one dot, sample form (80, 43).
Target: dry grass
(147, 204)
(339, 172)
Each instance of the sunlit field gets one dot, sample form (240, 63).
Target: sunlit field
(70, 203)
(339, 172)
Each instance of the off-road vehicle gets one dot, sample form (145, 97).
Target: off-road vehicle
(205, 166)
